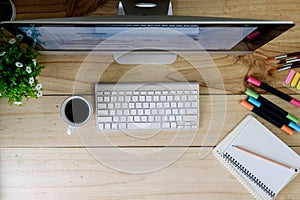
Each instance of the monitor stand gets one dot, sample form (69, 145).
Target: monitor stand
(148, 7)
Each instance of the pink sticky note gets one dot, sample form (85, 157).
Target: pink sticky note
(289, 77)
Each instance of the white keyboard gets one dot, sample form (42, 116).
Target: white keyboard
(136, 106)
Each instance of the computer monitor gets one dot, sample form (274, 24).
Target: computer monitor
(111, 34)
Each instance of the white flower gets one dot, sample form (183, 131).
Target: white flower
(18, 64)
(18, 103)
(31, 80)
(29, 33)
(38, 86)
(20, 36)
(34, 62)
(39, 94)
(28, 69)
(12, 41)
(2, 53)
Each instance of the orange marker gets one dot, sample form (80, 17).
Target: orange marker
(272, 119)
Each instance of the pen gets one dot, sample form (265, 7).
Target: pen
(271, 106)
(273, 114)
(277, 123)
(264, 157)
(284, 56)
(274, 91)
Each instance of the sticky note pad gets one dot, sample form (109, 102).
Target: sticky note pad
(289, 77)
(295, 79)
(298, 85)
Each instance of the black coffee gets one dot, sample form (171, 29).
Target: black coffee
(77, 110)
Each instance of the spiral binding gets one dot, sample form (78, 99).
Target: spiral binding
(246, 172)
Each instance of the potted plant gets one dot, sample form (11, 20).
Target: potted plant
(18, 71)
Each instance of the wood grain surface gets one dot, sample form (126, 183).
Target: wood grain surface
(38, 160)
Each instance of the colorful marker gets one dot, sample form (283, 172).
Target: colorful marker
(273, 114)
(274, 91)
(271, 106)
(257, 111)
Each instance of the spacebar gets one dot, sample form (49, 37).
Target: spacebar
(143, 125)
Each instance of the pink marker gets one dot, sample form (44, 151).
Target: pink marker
(274, 91)
(254, 35)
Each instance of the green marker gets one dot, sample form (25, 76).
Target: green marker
(272, 106)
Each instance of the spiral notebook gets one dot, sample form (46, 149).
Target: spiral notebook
(262, 178)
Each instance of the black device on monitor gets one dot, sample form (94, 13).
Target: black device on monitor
(146, 32)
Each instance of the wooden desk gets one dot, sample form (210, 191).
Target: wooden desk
(39, 160)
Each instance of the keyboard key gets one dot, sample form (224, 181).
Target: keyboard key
(144, 119)
(191, 111)
(102, 106)
(136, 118)
(165, 125)
(122, 126)
(190, 117)
(101, 126)
(114, 126)
(143, 125)
(142, 98)
(107, 126)
(102, 112)
(138, 105)
(105, 119)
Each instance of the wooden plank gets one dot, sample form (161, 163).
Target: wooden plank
(20, 3)
(73, 173)
(38, 123)
(55, 8)
(67, 74)
(40, 15)
(255, 9)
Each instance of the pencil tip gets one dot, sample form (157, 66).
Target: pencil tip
(270, 58)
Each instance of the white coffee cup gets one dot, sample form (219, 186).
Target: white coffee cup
(75, 111)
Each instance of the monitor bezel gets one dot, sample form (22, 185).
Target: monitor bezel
(271, 29)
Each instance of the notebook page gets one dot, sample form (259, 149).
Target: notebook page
(259, 139)
(270, 174)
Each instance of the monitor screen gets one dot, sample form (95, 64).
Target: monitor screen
(126, 33)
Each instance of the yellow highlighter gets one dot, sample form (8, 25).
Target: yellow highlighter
(295, 80)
